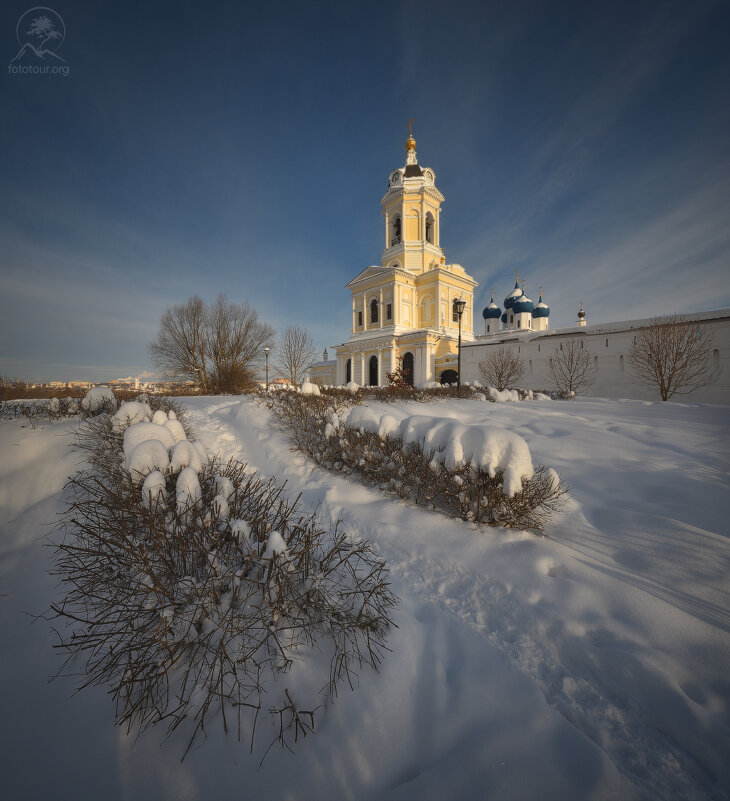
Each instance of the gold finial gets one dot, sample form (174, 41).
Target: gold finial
(410, 142)
(540, 291)
(523, 286)
(491, 300)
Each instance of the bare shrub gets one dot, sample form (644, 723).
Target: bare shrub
(294, 354)
(217, 346)
(674, 355)
(400, 378)
(464, 492)
(189, 614)
(571, 368)
(502, 369)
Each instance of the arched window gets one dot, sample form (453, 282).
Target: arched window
(373, 311)
(348, 371)
(621, 363)
(408, 367)
(519, 323)
(395, 231)
(716, 359)
(449, 377)
(429, 227)
(373, 377)
(595, 362)
(530, 366)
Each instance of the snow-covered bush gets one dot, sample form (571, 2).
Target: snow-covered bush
(481, 475)
(98, 400)
(192, 586)
(308, 388)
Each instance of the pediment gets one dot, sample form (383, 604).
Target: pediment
(373, 270)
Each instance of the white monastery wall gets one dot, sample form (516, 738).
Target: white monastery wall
(609, 345)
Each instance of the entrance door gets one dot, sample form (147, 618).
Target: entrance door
(373, 371)
(348, 371)
(408, 368)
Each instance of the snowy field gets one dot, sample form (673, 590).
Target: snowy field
(594, 664)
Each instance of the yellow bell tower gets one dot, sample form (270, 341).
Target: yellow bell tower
(405, 310)
(412, 208)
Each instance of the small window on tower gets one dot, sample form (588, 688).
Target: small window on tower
(374, 311)
(389, 311)
(429, 227)
(359, 319)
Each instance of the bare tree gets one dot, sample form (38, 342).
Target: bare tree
(571, 369)
(236, 338)
(180, 349)
(216, 346)
(674, 355)
(502, 369)
(294, 354)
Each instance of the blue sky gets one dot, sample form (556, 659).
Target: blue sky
(199, 148)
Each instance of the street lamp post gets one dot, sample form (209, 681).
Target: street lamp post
(266, 351)
(459, 306)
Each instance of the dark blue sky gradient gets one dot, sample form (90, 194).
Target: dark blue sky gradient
(195, 148)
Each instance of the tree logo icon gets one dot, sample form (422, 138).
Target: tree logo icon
(40, 33)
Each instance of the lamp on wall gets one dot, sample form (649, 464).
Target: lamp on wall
(459, 305)
(266, 351)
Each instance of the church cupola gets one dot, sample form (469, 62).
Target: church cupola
(514, 294)
(521, 311)
(522, 304)
(491, 315)
(412, 169)
(581, 316)
(540, 315)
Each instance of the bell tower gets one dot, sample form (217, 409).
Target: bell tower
(412, 211)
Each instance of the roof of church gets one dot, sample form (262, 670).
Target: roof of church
(412, 170)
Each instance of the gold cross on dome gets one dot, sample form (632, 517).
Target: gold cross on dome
(410, 124)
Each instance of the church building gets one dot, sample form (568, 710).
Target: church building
(404, 310)
(405, 313)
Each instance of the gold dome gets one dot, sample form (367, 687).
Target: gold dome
(410, 143)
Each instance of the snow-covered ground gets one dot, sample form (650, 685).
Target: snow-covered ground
(591, 665)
